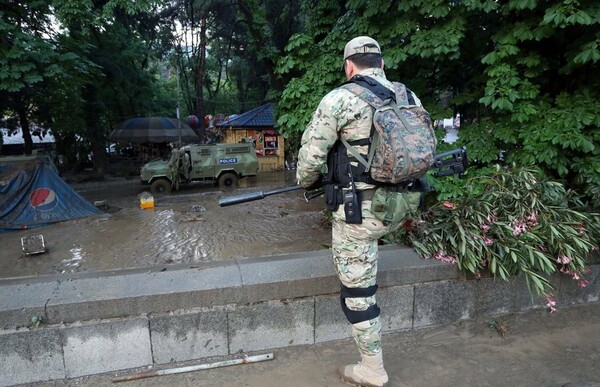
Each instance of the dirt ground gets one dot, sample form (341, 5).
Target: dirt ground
(539, 349)
(185, 227)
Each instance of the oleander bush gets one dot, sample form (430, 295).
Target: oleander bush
(509, 221)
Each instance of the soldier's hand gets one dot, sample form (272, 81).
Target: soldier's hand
(314, 185)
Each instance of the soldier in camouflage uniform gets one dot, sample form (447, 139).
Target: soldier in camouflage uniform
(342, 114)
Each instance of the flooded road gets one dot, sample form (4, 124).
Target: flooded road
(186, 227)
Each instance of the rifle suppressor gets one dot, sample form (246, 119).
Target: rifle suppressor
(237, 199)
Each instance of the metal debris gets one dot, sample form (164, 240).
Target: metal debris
(33, 244)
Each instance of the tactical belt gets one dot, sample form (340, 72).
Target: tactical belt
(397, 187)
(366, 194)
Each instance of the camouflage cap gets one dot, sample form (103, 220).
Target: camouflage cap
(361, 45)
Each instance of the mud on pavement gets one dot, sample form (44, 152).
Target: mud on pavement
(185, 227)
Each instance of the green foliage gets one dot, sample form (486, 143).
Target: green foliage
(510, 221)
(524, 74)
(26, 59)
(302, 94)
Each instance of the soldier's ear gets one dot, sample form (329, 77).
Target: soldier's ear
(349, 69)
(382, 63)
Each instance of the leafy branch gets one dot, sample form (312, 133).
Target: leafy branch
(510, 222)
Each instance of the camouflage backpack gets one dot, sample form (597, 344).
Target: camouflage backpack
(402, 142)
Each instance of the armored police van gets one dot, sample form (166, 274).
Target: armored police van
(223, 164)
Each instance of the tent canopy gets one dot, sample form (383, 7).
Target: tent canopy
(153, 130)
(32, 194)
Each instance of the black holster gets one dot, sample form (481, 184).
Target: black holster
(333, 196)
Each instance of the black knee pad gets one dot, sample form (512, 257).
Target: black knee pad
(356, 316)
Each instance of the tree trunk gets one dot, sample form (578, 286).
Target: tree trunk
(24, 122)
(199, 76)
(260, 40)
(94, 133)
(98, 151)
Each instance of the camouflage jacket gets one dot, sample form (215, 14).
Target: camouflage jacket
(340, 113)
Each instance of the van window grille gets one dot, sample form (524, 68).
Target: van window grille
(237, 149)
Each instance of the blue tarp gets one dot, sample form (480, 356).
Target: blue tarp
(33, 195)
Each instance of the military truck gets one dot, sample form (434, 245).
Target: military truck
(223, 164)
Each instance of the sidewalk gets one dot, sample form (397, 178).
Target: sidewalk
(539, 349)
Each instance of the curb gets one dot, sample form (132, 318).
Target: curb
(117, 320)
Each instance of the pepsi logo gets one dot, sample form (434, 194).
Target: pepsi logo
(43, 199)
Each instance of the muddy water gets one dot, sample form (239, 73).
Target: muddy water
(183, 228)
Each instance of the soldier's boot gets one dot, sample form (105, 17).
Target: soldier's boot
(368, 372)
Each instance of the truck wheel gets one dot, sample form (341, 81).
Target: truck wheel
(228, 180)
(160, 186)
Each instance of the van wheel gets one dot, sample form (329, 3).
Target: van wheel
(228, 180)
(160, 186)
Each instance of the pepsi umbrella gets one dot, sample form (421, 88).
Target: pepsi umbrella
(154, 130)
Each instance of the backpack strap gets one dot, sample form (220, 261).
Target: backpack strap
(360, 85)
(409, 95)
(369, 90)
(352, 150)
(403, 95)
(376, 95)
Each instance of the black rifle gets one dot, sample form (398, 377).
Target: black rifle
(451, 162)
(447, 163)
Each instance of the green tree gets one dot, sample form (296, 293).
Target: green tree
(522, 73)
(225, 51)
(120, 42)
(29, 62)
(77, 67)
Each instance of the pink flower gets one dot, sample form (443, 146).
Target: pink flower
(485, 227)
(519, 228)
(543, 248)
(532, 219)
(449, 205)
(441, 256)
(575, 276)
(563, 259)
(488, 241)
(550, 303)
(583, 283)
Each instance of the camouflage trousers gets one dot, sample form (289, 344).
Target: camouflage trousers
(355, 253)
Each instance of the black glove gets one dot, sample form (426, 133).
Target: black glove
(316, 184)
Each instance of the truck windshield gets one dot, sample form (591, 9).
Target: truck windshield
(173, 157)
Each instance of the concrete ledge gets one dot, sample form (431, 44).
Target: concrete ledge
(132, 292)
(111, 321)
